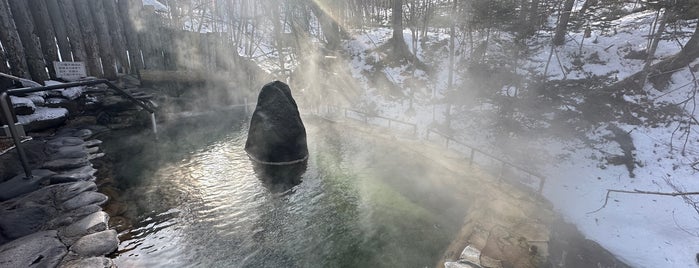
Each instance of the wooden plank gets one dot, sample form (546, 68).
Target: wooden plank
(72, 27)
(4, 82)
(89, 37)
(30, 40)
(151, 39)
(59, 27)
(116, 29)
(47, 37)
(104, 40)
(11, 42)
(129, 10)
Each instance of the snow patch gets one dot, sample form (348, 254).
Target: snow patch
(69, 93)
(157, 5)
(42, 114)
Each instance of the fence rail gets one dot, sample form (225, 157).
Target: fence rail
(449, 143)
(503, 163)
(391, 122)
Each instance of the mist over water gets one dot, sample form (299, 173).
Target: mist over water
(362, 202)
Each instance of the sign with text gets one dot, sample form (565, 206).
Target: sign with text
(70, 70)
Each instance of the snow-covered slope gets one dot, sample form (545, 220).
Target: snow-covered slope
(643, 230)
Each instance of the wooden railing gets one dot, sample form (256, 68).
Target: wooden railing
(449, 142)
(392, 123)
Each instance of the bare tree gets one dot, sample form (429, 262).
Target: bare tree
(397, 40)
(559, 36)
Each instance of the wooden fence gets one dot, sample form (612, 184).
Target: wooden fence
(502, 169)
(110, 36)
(522, 175)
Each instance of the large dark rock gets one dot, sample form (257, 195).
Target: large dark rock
(276, 134)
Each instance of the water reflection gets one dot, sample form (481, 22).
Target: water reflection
(280, 178)
(361, 204)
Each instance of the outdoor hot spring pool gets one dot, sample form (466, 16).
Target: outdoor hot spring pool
(194, 200)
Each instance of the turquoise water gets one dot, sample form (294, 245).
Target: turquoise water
(196, 200)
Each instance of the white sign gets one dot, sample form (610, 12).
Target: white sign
(70, 70)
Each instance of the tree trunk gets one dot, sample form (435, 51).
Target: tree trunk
(89, 37)
(276, 28)
(30, 41)
(559, 37)
(661, 72)
(587, 5)
(59, 28)
(117, 32)
(397, 24)
(331, 29)
(11, 42)
(655, 39)
(452, 60)
(104, 39)
(534, 18)
(47, 37)
(72, 27)
(129, 10)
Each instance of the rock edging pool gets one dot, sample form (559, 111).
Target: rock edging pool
(54, 219)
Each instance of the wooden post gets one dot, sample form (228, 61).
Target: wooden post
(89, 36)
(59, 27)
(116, 30)
(72, 27)
(30, 41)
(4, 82)
(104, 39)
(205, 51)
(11, 42)
(150, 39)
(47, 37)
(169, 54)
(129, 10)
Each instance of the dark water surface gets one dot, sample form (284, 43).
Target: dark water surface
(196, 201)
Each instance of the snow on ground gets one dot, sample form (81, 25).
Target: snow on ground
(642, 230)
(604, 52)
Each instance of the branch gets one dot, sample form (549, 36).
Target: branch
(636, 191)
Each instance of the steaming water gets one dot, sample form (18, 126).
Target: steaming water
(362, 202)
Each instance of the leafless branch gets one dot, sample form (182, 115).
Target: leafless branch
(682, 228)
(636, 191)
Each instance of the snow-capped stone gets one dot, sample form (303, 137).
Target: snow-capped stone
(43, 118)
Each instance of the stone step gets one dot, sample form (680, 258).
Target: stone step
(42, 249)
(84, 199)
(85, 173)
(95, 222)
(97, 244)
(20, 185)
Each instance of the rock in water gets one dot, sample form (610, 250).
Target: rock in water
(277, 134)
